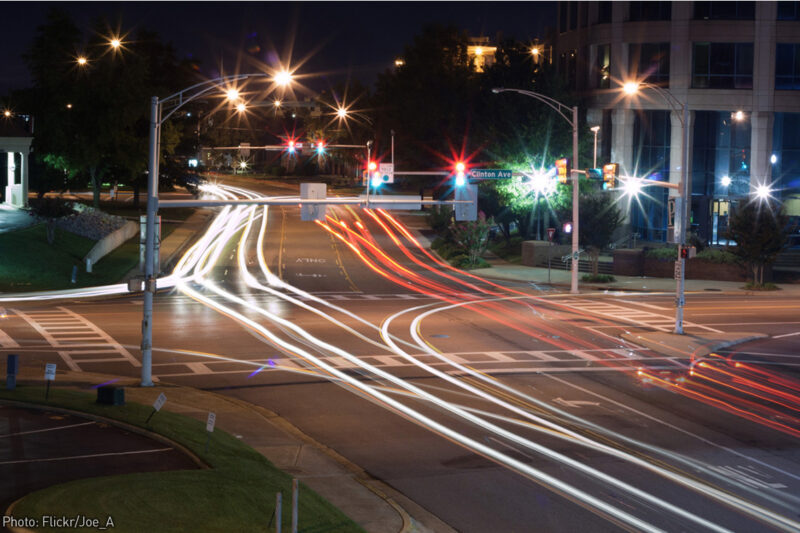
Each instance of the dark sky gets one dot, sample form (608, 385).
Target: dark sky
(358, 39)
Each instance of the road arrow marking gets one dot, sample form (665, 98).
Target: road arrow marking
(574, 403)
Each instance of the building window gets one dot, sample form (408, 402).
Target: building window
(787, 66)
(724, 10)
(651, 146)
(568, 67)
(721, 147)
(603, 66)
(573, 15)
(788, 10)
(604, 10)
(650, 11)
(786, 147)
(722, 66)
(649, 62)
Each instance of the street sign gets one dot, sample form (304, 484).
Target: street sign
(489, 174)
(313, 191)
(160, 401)
(387, 172)
(50, 372)
(576, 256)
(212, 418)
(550, 233)
(678, 269)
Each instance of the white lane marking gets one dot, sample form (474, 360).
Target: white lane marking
(650, 306)
(6, 341)
(73, 457)
(671, 426)
(199, 368)
(577, 404)
(786, 335)
(499, 356)
(44, 430)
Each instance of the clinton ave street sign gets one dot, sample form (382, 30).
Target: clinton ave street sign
(489, 174)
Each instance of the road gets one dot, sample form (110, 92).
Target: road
(496, 407)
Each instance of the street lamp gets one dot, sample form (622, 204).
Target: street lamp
(595, 129)
(283, 78)
(684, 199)
(115, 43)
(82, 61)
(157, 118)
(560, 108)
(341, 112)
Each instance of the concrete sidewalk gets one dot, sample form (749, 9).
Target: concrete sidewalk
(371, 503)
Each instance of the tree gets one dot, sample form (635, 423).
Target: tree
(473, 237)
(50, 209)
(428, 101)
(760, 235)
(599, 219)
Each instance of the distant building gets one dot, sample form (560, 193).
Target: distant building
(15, 148)
(736, 64)
(481, 53)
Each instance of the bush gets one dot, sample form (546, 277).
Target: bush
(663, 254)
(439, 218)
(598, 278)
(717, 256)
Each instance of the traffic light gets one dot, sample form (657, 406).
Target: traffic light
(372, 166)
(610, 175)
(461, 174)
(562, 170)
(290, 146)
(684, 252)
(320, 147)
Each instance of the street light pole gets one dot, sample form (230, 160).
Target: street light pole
(561, 109)
(684, 203)
(595, 129)
(176, 101)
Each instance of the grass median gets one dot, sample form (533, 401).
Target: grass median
(236, 494)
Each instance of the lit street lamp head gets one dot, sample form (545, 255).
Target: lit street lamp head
(276, 103)
(342, 112)
(82, 61)
(631, 87)
(115, 43)
(283, 78)
(726, 180)
(240, 107)
(232, 94)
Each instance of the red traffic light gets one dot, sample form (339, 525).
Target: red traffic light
(460, 167)
(684, 253)
(372, 166)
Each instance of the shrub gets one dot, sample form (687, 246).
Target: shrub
(717, 256)
(663, 254)
(598, 278)
(439, 218)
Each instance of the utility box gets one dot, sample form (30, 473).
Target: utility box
(467, 211)
(108, 395)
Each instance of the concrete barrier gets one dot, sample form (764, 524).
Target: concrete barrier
(110, 242)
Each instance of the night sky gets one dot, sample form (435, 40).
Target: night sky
(338, 39)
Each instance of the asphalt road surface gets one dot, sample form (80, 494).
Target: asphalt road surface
(498, 407)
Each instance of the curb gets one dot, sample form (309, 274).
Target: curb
(97, 418)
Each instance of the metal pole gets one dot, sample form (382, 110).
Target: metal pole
(595, 149)
(686, 201)
(575, 213)
(392, 149)
(150, 238)
(369, 159)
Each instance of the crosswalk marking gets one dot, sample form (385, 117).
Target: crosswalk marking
(6, 341)
(637, 317)
(74, 335)
(489, 362)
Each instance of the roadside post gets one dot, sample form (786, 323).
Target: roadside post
(550, 233)
(295, 498)
(49, 375)
(212, 419)
(157, 405)
(12, 368)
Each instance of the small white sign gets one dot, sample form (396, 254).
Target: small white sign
(50, 372)
(212, 418)
(677, 269)
(160, 401)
